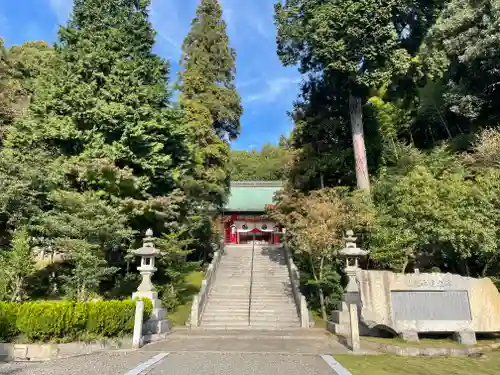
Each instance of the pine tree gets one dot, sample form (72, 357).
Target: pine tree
(105, 106)
(104, 115)
(210, 101)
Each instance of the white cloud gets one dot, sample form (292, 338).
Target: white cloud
(255, 16)
(274, 88)
(62, 9)
(171, 20)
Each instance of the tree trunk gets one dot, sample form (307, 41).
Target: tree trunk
(322, 302)
(321, 293)
(358, 142)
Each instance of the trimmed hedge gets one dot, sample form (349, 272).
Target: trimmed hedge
(44, 321)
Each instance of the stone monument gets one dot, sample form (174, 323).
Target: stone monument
(409, 304)
(157, 322)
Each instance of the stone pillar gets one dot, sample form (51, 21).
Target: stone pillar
(354, 325)
(139, 317)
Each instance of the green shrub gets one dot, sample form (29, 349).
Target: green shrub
(57, 320)
(8, 318)
(42, 321)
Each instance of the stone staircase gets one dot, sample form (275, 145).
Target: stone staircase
(243, 297)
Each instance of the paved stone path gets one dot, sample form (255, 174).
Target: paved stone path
(205, 353)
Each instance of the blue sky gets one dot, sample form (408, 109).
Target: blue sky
(267, 88)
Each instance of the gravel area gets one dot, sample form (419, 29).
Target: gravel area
(105, 363)
(241, 364)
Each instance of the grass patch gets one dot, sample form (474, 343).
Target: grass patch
(434, 342)
(396, 365)
(318, 320)
(180, 315)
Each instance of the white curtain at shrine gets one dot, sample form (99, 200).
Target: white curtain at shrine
(239, 226)
(264, 226)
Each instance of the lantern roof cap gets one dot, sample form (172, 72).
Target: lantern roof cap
(148, 248)
(351, 249)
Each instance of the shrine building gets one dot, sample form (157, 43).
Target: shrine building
(243, 219)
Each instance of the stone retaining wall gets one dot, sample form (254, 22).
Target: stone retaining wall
(46, 352)
(436, 352)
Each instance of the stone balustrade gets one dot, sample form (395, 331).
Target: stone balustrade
(299, 298)
(200, 300)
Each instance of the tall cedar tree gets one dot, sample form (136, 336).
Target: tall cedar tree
(364, 43)
(103, 114)
(209, 98)
(107, 101)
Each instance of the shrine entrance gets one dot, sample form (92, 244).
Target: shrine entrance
(245, 229)
(256, 237)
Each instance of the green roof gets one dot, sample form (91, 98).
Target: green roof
(251, 196)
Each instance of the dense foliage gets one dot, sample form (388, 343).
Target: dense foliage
(398, 99)
(49, 321)
(211, 104)
(425, 73)
(94, 151)
(271, 163)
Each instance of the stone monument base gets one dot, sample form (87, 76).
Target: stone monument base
(339, 323)
(158, 322)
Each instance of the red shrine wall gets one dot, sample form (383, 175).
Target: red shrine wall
(241, 229)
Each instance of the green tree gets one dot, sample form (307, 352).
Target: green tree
(18, 264)
(271, 163)
(316, 225)
(461, 52)
(102, 115)
(210, 101)
(104, 108)
(358, 45)
(19, 68)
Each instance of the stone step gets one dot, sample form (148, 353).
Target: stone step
(273, 318)
(273, 326)
(225, 318)
(278, 299)
(223, 310)
(224, 325)
(226, 303)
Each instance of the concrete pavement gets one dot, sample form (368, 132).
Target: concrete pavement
(205, 353)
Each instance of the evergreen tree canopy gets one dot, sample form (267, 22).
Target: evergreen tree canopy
(211, 104)
(209, 69)
(107, 99)
(101, 122)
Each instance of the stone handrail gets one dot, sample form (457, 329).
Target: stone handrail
(299, 298)
(200, 299)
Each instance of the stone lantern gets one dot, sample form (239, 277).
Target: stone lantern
(351, 252)
(148, 253)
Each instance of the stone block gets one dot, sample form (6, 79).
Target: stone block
(409, 336)
(20, 351)
(159, 313)
(340, 317)
(6, 351)
(465, 337)
(163, 326)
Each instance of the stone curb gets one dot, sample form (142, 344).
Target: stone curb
(436, 352)
(47, 352)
